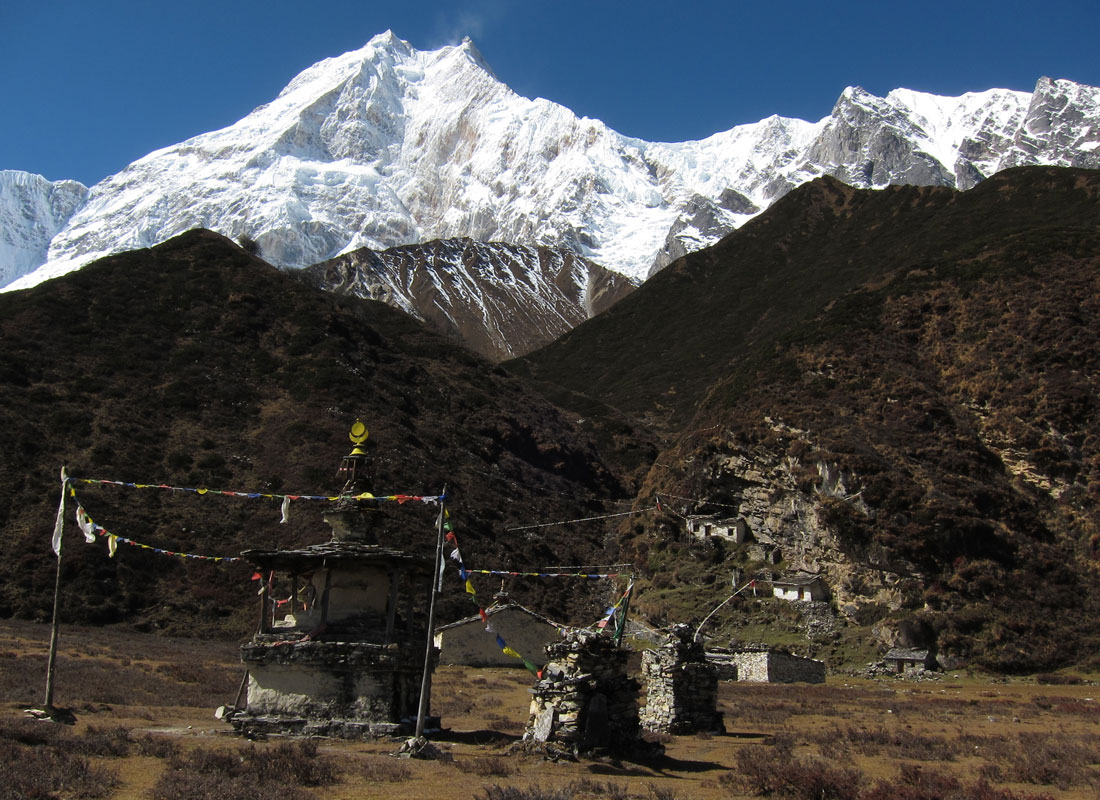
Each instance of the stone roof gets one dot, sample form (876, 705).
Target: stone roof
(314, 555)
(797, 580)
(906, 654)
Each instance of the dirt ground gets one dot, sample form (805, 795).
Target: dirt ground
(1023, 739)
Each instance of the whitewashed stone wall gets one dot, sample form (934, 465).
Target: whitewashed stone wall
(769, 666)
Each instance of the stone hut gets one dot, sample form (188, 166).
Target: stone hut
(585, 700)
(681, 687)
(466, 642)
(762, 664)
(703, 526)
(804, 587)
(343, 654)
(903, 659)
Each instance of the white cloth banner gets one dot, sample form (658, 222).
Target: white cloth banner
(59, 525)
(86, 526)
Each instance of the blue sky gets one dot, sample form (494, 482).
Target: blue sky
(87, 87)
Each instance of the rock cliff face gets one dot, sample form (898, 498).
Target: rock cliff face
(1060, 128)
(32, 211)
(785, 502)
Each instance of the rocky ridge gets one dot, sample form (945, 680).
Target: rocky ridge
(32, 211)
(501, 300)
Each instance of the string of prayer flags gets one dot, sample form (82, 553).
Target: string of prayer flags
(583, 519)
(400, 499)
(610, 613)
(91, 529)
(506, 574)
(464, 574)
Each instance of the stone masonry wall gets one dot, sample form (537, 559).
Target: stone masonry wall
(585, 700)
(681, 688)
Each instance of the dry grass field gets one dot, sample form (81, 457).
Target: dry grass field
(145, 730)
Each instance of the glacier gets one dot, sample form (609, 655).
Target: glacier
(388, 145)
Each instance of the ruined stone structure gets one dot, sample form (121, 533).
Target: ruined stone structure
(585, 700)
(901, 660)
(762, 664)
(681, 687)
(343, 654)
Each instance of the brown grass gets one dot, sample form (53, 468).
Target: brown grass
(846, 740)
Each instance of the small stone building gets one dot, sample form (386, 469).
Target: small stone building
(902, 659)
(703, 526)
(762, 664)
(585, 700)
(800, 587)
(341, 646)
(466, 642)
(681, 687)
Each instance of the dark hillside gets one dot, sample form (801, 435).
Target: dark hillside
(921, 390)
(656, 353)
(196, 365)
(895, 390)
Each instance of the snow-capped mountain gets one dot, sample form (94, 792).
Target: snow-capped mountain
(502, 300)
(388, 145)
(32, 211)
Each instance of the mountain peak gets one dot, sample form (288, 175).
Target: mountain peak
(388, 146)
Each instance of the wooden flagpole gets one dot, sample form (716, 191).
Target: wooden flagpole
(426, 678)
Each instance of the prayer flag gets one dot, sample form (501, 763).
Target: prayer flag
(286, 509)
(508, 651)
(86, 526)
(59, 525)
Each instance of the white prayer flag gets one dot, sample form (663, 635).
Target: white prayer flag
(59, 525)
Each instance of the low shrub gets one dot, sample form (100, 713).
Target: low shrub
(1058, 679)
(199, 786)
(913, 783)
(774, 771)
(493, 767)
(533, 792)
(114, 742)
(379, 770)
(40, 773)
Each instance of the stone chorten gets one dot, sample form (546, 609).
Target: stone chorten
(681, 687)
(340, 649)
(585, 700)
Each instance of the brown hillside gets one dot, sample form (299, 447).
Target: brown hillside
(914, 372)
(196, 365)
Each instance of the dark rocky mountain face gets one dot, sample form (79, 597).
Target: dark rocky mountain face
(193, 364)
(500, 300)
(896, 390)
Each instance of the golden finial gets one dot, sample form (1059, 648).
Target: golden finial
(358, 435)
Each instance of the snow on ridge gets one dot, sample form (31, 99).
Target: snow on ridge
(388, 145)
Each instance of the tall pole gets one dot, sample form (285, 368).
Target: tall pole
(59, 526)
(426, 678)
(53, 636)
